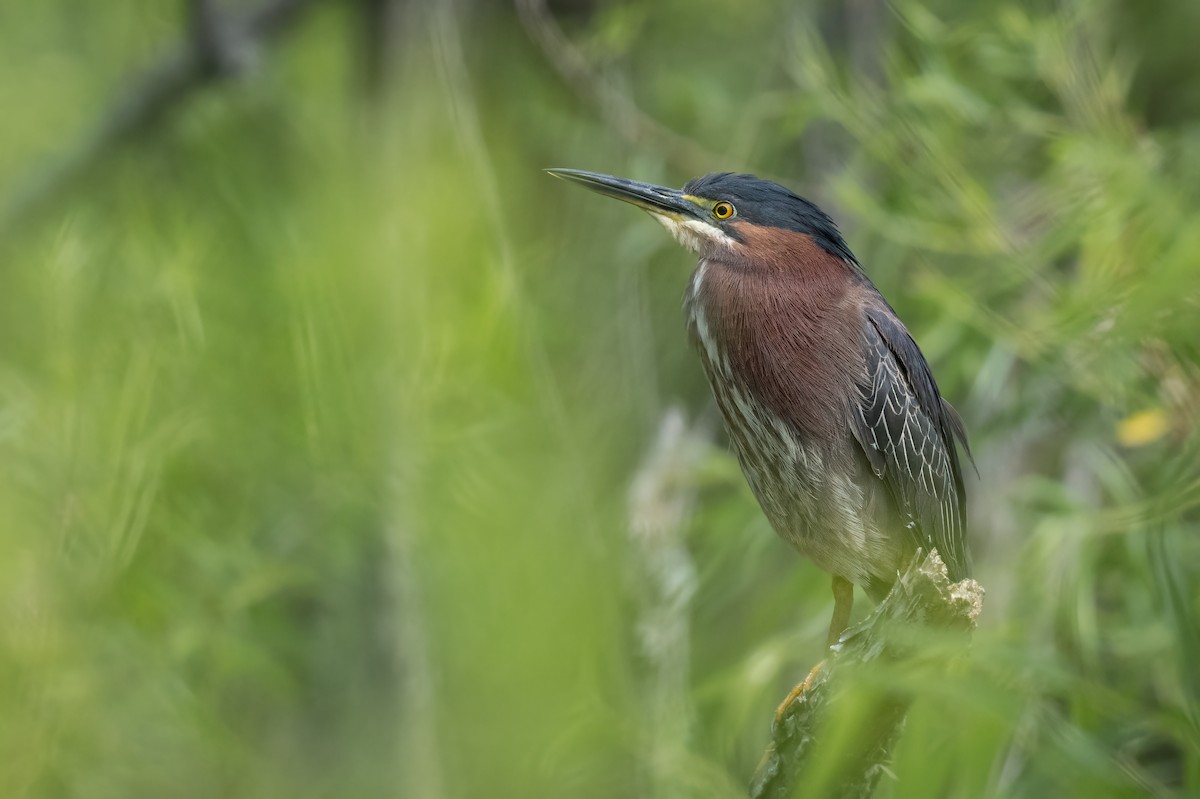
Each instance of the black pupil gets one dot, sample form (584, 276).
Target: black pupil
(723, 209)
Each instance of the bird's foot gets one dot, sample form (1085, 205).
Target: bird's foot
(800, 690)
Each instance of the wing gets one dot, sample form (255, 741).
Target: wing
(907, 431)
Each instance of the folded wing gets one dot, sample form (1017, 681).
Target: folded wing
(907, 432)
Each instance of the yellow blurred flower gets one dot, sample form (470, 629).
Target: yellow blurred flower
(1143, 427)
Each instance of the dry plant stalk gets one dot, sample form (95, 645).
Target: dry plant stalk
(661, 497)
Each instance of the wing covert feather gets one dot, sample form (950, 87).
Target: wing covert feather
(907, 432)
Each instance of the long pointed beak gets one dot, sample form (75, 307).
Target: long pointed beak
(656, 199)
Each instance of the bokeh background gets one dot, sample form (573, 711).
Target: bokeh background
(346, 454)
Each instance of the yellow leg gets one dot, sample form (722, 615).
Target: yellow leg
(843, 603)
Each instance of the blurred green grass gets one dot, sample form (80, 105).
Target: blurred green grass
(319, 420)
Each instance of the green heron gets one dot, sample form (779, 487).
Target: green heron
(836, 419)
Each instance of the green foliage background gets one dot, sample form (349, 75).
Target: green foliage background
(319, 408)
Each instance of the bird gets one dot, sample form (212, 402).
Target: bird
(829, 404)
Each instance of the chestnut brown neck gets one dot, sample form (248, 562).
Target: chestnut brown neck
(785, 324)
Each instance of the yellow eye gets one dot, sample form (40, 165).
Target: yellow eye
(722, 210)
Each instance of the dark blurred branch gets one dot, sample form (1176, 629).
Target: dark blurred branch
(618, 110)
(923, 597)
(380, 28)
(218, 45)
